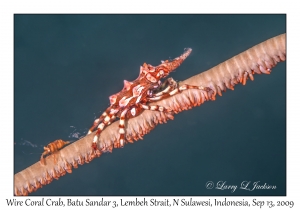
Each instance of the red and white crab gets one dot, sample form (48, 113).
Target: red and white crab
(135, 95)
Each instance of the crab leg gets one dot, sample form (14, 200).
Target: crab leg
(98, 120)
(155, 108)
(171, 85)
(109, 118)
(121, 140)
(178, 90)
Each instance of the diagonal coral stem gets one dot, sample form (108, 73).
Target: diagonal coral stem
(258, 59)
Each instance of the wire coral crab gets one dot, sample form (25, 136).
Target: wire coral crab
(135, 95)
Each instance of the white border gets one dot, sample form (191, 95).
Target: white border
(8, 8)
